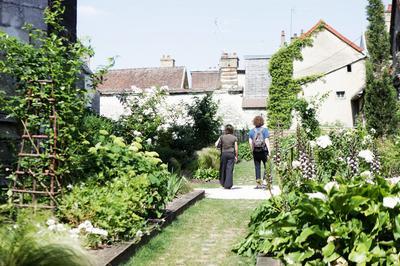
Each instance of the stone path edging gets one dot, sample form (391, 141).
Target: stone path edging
(122, 252)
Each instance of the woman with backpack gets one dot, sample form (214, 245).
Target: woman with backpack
(228, 143)
(259, 144)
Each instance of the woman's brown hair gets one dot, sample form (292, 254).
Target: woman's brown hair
(229, 129)
(258, 121)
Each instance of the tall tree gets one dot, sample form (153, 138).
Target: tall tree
(380, 94)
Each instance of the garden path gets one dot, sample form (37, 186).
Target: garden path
(205, 233)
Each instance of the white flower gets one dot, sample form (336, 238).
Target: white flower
(51, 222)
(310, 106)
(373, 131)
(15, 226)
(317, 195)
(52, 227)
(147, 111)
(137, 133)
(139, 234)
(74, 231)
(98, 231)
(296, 164)
(7, 169)
(87, 225)
(393, 180)
(323, 141)
(148, 141)
(174, 135)
(156, 137)
(313, 144)
(333, 184)
(60, 228)
(331, 239)
(70, 186)
(391, 202)
(367, 155)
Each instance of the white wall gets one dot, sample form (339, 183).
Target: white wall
(230, 107)
(329, 55)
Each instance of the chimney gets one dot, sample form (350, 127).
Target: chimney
(228, 66)
(388, 17)
(294, 37)
(167, 61)
(301, 32)
(283, 38)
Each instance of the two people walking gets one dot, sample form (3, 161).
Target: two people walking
(228, 143)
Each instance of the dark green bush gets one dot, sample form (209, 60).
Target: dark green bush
(245, 151)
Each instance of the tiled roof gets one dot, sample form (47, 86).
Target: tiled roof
(205, 79)
(120, 80)
(322, 23)
(254, 103)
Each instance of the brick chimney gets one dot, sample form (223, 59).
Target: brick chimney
(283, 38)
(228, 66)
(167, 61)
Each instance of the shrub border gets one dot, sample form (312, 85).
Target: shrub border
(128, 249)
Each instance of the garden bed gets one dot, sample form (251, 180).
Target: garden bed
(121, 252)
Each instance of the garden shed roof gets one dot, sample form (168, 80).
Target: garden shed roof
(121, 80)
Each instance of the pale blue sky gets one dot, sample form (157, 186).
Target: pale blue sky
(195, 33)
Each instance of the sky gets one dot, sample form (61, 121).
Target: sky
(195, 33)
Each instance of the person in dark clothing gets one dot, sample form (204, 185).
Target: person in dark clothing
(259, 144)
(228, 143)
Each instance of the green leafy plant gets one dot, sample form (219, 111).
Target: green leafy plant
(208, 158)
(125, 187)
(206, 174)
(350, 221)
(245, 152)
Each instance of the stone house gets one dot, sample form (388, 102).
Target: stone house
(240, 93)
(342, 66)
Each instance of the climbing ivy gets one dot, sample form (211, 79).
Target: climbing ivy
(284, 88)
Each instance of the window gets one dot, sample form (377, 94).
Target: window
(340, 94)
(349, 68)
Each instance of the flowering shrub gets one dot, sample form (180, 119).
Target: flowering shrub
(345, 221)
(127, 186)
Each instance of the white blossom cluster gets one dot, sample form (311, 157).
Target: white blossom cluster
(391, 202)
(307, 166)
(317, 195)
(85, 227)
(367, 155)
(323, 141)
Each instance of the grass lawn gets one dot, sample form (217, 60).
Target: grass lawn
(243, 175)
(202, 235)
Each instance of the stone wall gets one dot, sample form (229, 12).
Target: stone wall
(230, 107)
(15, 13)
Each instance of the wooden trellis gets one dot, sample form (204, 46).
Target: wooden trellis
(37, 185)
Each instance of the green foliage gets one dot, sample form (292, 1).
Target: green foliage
(178, 185)
(308, 116)
(389, 149)
(284, 88)
(349, 221)
(29, 242)
(380, 94)
(245, 152)
(144, 116)
(206, 174)
(49, 55)
(206, 124)
(208, 158)
(125, 187)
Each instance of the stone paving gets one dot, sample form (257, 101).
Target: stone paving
(240, 192)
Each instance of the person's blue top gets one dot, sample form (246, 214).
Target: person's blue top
(253, 131)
